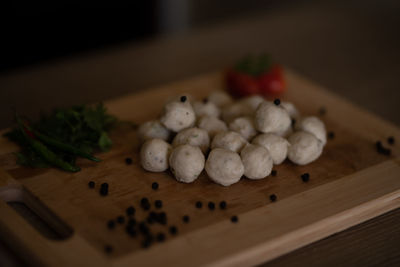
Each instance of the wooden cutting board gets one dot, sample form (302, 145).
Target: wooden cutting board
(349, 183)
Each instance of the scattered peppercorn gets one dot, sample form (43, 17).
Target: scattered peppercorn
(211, 205)
(130, 210)
(108, 248)
(331, 135)
(205, 100)
(158, 204)
(293, 122)
(160, 237)
(322, 111)
(199, 205)
(111, 224)
(143, 228)
(274, 172)
(186, 218)
(234, 219)
(150, 220)
(277, 101)
(305, 177)
(91, 184)
(104, 189)
(120, 219)
(131, 222)
(222, 205)
(154, 186)
(162, 218)
(144, 202)
(273, 197)
(128, 161)
(131, 230)
(146, 243)
(173, 230)
(390, 140)
(183, 98)
(382, 150)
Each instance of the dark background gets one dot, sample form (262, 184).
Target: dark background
(61, 54)
(32, 32)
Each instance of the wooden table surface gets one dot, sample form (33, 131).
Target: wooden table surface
(347, 49)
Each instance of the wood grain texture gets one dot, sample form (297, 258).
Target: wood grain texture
(343, 190)
(352, 247)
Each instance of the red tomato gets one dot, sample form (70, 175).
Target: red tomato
(241, 84)
(272, 83)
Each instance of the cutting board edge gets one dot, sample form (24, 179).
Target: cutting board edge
(273, 247)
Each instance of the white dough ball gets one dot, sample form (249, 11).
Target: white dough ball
(252, 101)
(224, 167)
(244, 126)
(186, 163)
(304, 148)
(154, 155)
(257, 162)
(194, 137)
(212, 125)
(206, 109)
(153, 129)
(178, 115)
(220, 98)
(275, 144)
(291, 109)
(313, 125)
(229, 140)
(271, 118)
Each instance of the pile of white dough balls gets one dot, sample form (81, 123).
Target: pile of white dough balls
(227, 138)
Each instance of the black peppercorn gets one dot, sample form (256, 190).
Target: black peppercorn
(222, 205)
(183, 98)
(144, 202)
(305, 177)
(274, 172)
(331, 135)
(173, 230)
(131, 222)
(158, 204)
(128, 161)
(108, 248)
(234, 219)
(146, 243)
(211, 205)
(162, 218)
(322, 111)
(273, 197)
(293, 122)
(390, 140)
(111, 224)
(120, 219)
(104, 189)
(143, 228)
(199, 205)
(160, 237)
(130, 230)
(186, 218)
(154, 186)
(130, 210)
(91, 184)
(277, 101)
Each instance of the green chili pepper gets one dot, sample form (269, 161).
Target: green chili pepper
(60, 145)
(65, 147)
(44, 152)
